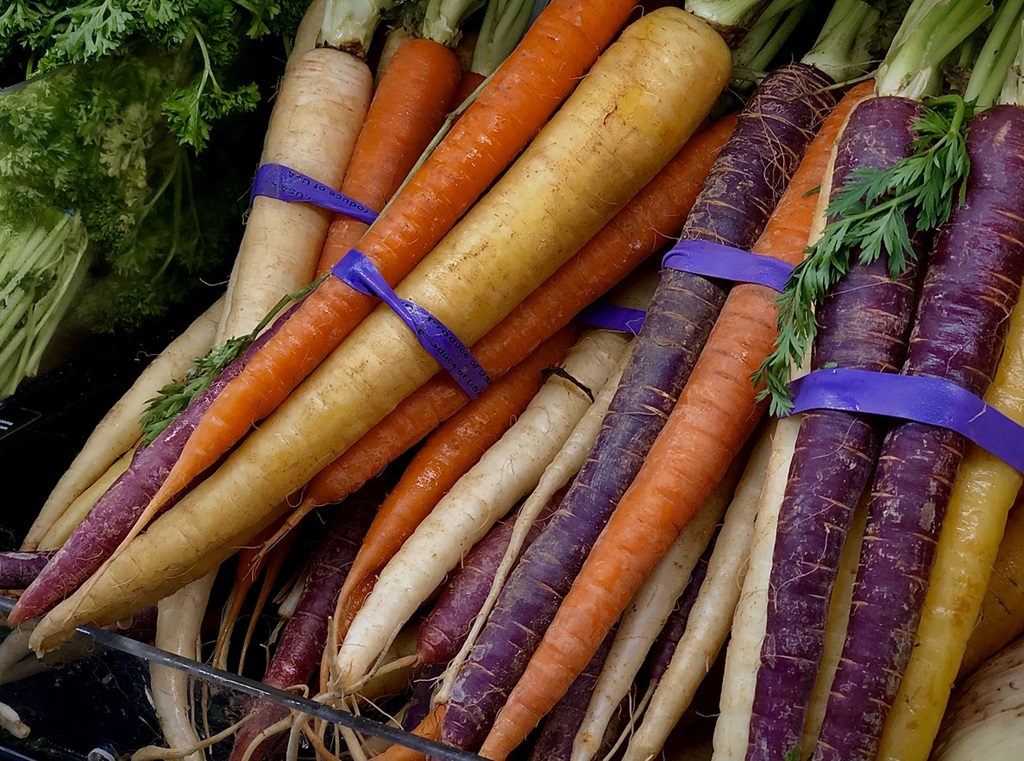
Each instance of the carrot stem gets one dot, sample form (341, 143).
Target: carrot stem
(349, 25)
(500, 31)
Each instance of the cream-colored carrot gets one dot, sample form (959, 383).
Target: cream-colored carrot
(748, 628)
(505, 473)
(984, 720)
(641, 101)
(313, 127)
(177, 631)
(307, 32)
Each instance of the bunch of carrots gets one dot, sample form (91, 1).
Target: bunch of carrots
(615, 508)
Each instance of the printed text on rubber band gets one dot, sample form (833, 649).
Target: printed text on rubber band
(728, 263)
(925, 400)
(287, 184)
(356, 270)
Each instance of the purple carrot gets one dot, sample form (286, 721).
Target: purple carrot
(971, 287)
(117, 509)
(554, 743)
(675, 626)
(141, 626)
(299, 651)
(742, 189)
(863, 324)
(19, 569)
(446, 627)
(418, 707)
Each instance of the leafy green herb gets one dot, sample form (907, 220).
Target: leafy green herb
(115, 206)
(869, 216)
(177, 395)
(206, 36)
(793, 754)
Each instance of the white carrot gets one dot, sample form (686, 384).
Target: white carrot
(644, 98)
(307, 33)
(983, 720)
(507, 471)
(314, 124)
(748, 628)
(644, 619)
(177, 631)
(11, 722)
(712, 614)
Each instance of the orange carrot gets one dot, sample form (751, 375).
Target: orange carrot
(714, 416)
(559, 48)
(429, 727)
(250, 565)
(654, 215)
(408, 108)
(468, 83)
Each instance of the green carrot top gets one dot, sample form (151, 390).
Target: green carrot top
(174, 397)
(870, 213)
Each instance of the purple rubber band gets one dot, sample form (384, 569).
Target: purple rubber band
(357, 271)
(933, 401)
(623, 319)
(728, 263)
(287, 184)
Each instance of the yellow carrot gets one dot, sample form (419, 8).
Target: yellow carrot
(1002, 611)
